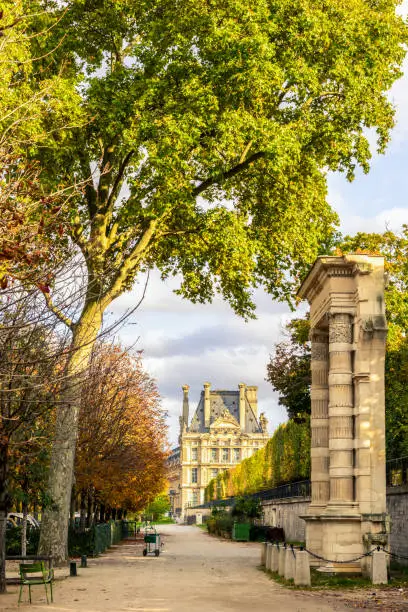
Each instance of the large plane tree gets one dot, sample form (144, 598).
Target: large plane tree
(203, 132)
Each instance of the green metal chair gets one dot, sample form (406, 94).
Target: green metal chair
(32, 574)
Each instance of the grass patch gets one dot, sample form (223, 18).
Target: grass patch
(204, 527)
(330, 582)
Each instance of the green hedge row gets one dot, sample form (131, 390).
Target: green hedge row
(91, 542)
(285, 458)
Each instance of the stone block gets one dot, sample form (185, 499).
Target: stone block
(268, 556)
(263, 553)
(274, 558)
(302, 568)
(281, 562)
(379, 567)
(289, 564)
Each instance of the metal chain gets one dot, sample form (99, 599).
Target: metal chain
(391, 554)
(367, 554)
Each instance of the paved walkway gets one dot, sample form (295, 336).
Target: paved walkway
(194, 573)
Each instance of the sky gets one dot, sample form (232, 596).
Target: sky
(191, 344)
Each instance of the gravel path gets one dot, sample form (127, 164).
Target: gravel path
(194, 573)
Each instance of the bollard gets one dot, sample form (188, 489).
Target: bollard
(379, 567)
(275, 558)
(263, 553)
(289, 564)
(73, 568)
(268, 556)
(83, 561)
(302, 568)
(281, 561)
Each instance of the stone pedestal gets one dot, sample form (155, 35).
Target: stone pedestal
(302, 568)
(348, 332)
(289, 565)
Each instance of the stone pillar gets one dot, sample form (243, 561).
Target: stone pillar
(346, 295)
(242, 411)
(185, 404)
(207, 404)
(252, 396)
(319, 421)
(341, 418)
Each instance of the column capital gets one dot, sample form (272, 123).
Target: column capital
(340, 328)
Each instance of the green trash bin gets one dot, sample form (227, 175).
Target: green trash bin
(240, 532)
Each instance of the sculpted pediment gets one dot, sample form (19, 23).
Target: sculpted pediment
(225, 421)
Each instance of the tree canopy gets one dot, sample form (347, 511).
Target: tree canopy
(245, 104)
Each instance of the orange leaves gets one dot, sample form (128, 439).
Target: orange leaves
(121, 446)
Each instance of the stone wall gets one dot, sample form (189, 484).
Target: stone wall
(286, 513)
(397, 508)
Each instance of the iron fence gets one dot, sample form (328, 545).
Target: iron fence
(293, 489)
(397, 472)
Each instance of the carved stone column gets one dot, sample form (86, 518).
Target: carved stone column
(341, 419)
(319, 421)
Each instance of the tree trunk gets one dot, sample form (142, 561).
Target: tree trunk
(72, 508)
(4, 506)
(24, 530)
(90, 510)
(82, 512)
(54, 526)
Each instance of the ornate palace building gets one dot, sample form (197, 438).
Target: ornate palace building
(224, 430)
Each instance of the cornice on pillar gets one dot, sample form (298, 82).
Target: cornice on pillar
(327, 266)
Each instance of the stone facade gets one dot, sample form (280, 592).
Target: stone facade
(224, 430)
(174, 483)
(347, 514)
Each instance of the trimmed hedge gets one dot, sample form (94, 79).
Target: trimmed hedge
(285, 458)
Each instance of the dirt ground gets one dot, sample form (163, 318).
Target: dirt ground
(194, 573)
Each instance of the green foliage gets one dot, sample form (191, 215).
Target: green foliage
(158, 507)
(284, 459)
(289, 370)
(396, 399)
(246, 508)
(13, 540)
(183, 100)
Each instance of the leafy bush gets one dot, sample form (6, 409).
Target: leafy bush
(246, 508)
(261, 533)
(284, 459)
(13, 540)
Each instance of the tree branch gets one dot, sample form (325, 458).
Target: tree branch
(222, 176)
(58, 313)
(118, 178)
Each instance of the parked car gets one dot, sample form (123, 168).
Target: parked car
(17, 517)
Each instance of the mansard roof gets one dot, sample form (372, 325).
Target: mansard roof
(221, 402)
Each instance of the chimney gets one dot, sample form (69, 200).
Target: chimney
(242, 387)
(252, 397)
(185, 404)
(207, 404)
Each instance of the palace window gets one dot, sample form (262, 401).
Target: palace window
(236, 454)
(213, 455)
(225, 455)
(194, 454)
(214, 473)
(194, 475)
(194, 498)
